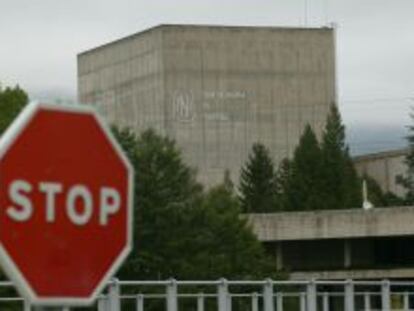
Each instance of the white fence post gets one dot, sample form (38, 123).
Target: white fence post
(140, 302)
(349, 296)
(103, 303)
(255, 302)
(279, 301)
(222, 292)
(406, 302)
(229, 302)
(200, 302)
(367, 302)
(114, 301)
(26, 305)
(325, 301)
(385, 295)
(302, 298)
(268, 296)
(311, 296)
(171, 291)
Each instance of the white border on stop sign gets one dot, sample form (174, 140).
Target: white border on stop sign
(11, 270)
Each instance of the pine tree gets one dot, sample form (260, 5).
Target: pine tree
(333, 173)
(258, 190)
(407, 181)
(304, 190)
(283, 176)
(342, 187)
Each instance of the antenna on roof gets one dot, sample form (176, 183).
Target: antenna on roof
(305, 13)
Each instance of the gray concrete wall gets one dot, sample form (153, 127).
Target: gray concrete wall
(216, 90)
(352, 223)
(384, 167)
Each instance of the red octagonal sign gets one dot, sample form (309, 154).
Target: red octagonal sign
(65, 204)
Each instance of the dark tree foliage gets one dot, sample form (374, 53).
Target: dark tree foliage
(181, 231)
(407, 181)
(283, 177)
(341, 184)
(12, 101)
(258, 189)
(352, 185)
(305, 187)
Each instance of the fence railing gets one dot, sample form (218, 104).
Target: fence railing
(259, 295)
(231, 295)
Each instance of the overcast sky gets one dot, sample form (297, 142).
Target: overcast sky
(39, 41)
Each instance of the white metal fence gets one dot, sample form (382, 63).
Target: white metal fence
(230, 295)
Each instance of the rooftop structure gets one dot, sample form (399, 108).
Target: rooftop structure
(384, 168)
(215, 89)
(340, 244)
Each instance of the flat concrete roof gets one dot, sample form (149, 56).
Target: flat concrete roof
(204, 26)
(333, 224)
(381, 155)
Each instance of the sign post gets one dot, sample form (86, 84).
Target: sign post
(65, 204)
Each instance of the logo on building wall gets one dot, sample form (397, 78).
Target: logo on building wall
(183, 106)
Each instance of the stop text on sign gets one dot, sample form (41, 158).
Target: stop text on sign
(75, 196)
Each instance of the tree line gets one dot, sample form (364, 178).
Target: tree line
(320, 176)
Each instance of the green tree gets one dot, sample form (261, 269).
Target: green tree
(305, 186)
(181, 231)
(341, 184)
(12, 101)
(407, 181)
(258, 189)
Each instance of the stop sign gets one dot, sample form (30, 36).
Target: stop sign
(65, 204)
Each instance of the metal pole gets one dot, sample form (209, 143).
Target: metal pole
(140, 302)
(367, 302)
(200, 302)
(385, 295)
(279, 301)
(255, 302)
(26, 305)
(349, 296)
(302, 302)
(311, 296)
(222, 292)
(171, 290)
(114, 302)
(268, 296)
(325, 301)
(406, 302)
(102, 303)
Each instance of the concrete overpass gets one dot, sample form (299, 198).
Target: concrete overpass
(340, 244)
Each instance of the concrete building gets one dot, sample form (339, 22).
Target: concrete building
(215, 89)
(384, 167)
(340, 244)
